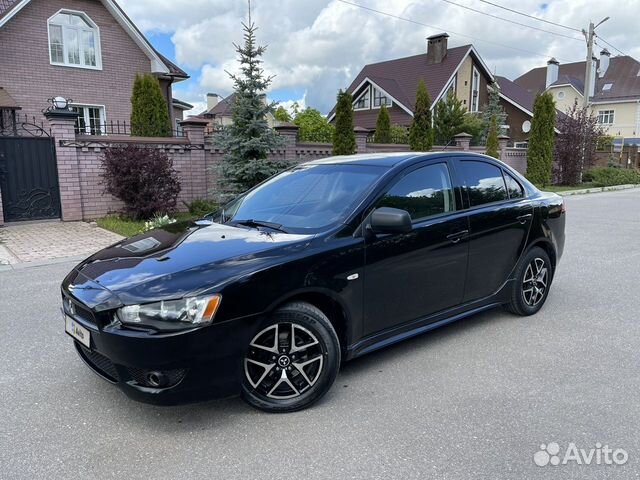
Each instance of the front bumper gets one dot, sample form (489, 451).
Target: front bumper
(195, 365)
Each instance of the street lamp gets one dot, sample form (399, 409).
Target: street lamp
(60, 103)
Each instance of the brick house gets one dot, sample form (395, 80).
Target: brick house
(394, 82)
(85, 50)
(614, 94)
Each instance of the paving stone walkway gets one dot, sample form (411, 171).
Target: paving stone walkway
(36, 242)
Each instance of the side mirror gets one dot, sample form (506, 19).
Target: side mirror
(390, 220)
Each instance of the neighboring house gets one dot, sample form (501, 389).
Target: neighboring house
(614, 96)
(394, 82)
(518, 105)
(179, 107)
(88, 51)
(219, 111)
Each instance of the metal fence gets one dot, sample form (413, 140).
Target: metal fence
(122, 128)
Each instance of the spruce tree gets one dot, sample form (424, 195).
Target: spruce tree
(344, 138)
(493, 109)
(541, 140)
(493, 149)
(149, 110)
(383, 126)
(449, 119)
(421, 131)
(249, 142)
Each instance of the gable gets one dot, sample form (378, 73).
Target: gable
(159, 65)
(400, 77)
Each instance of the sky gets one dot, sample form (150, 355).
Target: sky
(315, 47)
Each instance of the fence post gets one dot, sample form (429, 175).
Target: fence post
(463, 140)
(63, 130)
(361, 139)
(194, 130)
(289, 132)
(503, 140)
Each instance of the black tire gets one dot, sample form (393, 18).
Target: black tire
(272, 381)
(526, 295)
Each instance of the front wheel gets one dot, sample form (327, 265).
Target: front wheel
(533, 279)
(292, 361)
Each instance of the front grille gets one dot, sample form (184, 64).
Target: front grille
(101, 364)
(80, 311)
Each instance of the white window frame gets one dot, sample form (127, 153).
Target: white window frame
(366, 92)
(388, 103)
(475, 102)
(606, 114)
(103, 117)
(94, 28)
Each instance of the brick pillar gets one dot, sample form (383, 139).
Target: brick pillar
(503, 140)
(289, 132)
(197, 174)
(361, 139)
(463, 140)
(63, 130)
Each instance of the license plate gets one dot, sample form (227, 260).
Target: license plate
(77, 331)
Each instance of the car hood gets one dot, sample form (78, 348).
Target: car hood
(177, 260)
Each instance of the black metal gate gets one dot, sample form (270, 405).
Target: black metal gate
(28, 173)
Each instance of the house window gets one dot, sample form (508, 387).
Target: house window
(74, 40)
(91, 119)
(363, 101)
(605, 117)
(380, 98)
(475, 90)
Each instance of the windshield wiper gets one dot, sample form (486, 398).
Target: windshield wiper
(259, 223)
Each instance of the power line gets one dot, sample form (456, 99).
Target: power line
(615, 48)
(415, 22)
(531, 16)
(512, 21)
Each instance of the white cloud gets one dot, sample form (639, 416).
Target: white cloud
(318, 46)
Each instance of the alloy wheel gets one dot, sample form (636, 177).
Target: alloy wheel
(284, 361)
(534, 284)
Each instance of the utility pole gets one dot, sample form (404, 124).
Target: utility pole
(590, 36)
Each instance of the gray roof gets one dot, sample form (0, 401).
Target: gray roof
(623, 74)
(515, 93)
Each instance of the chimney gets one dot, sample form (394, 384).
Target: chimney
(437, 48)
(592, 86)
(212, 100)
(552, 71)
(605, 56)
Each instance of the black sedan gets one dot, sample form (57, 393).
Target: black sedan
(320, 264)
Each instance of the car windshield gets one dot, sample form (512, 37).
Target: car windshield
(307, 198)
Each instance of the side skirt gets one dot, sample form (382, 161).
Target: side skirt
(418, 327)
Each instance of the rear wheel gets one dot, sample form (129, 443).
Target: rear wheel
(292, 361)
(533, 279)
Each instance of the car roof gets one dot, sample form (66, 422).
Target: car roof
(377, 159)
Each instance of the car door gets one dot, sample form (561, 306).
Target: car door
(411, 275)
(499, 223)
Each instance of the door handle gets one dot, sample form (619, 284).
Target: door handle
(523, 218)
(456, 237)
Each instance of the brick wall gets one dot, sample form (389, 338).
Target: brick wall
(195, 157)
(26, 73)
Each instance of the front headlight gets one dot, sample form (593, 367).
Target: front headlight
(172, 314)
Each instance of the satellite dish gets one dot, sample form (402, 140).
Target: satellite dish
(526, 126)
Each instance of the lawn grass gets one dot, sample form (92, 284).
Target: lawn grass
(127, 227)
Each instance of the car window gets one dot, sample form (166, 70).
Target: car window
(484, 182)
(424, 192)
(513, 187)
(306, 198)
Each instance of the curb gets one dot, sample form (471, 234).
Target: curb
(597, 190)
(40, 263)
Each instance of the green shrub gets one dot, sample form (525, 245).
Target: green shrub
(608, 176)
(201, 207)
(399, 134)
(158, 220)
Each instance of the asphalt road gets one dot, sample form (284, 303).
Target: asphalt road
(475, 399)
